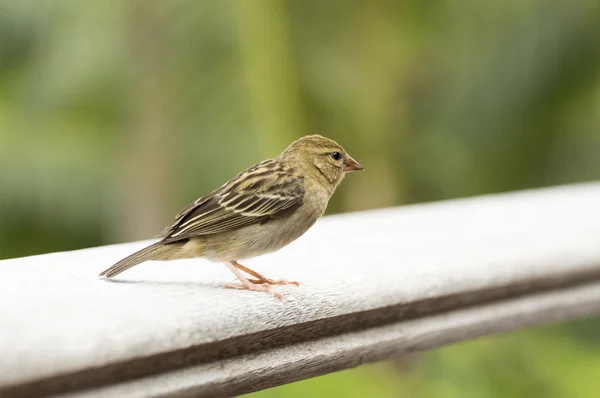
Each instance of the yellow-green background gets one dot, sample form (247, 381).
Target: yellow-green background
(115, 114)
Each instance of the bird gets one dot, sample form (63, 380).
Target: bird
(259, 211)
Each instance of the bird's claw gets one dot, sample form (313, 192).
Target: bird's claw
(264, 287)
(272, 282)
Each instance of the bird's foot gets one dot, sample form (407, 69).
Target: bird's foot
(264, 287)
(261, 279)
(268, 281)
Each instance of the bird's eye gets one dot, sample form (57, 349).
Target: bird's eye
(336, 156)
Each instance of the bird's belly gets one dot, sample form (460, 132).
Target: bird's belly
(257, 239)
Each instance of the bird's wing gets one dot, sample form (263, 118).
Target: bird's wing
(258, 194)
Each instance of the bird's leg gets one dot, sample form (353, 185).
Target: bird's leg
(246, 284)
(260, 279)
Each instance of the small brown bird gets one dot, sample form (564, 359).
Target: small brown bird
(261, 210)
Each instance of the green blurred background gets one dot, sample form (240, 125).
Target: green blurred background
(115, 114)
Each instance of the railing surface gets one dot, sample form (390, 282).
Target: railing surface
(374, 284)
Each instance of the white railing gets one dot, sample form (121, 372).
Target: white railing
(374, 284)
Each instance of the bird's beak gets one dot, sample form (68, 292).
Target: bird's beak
(352, 165)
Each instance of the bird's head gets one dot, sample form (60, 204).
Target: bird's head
(321, 156)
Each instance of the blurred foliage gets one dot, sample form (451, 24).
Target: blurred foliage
(113, 115)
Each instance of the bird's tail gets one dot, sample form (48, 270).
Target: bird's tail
(157, 251)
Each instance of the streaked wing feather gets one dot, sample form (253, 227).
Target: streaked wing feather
(260, 193)
(185, 211)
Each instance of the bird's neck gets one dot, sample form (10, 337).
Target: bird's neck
(324, 180)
